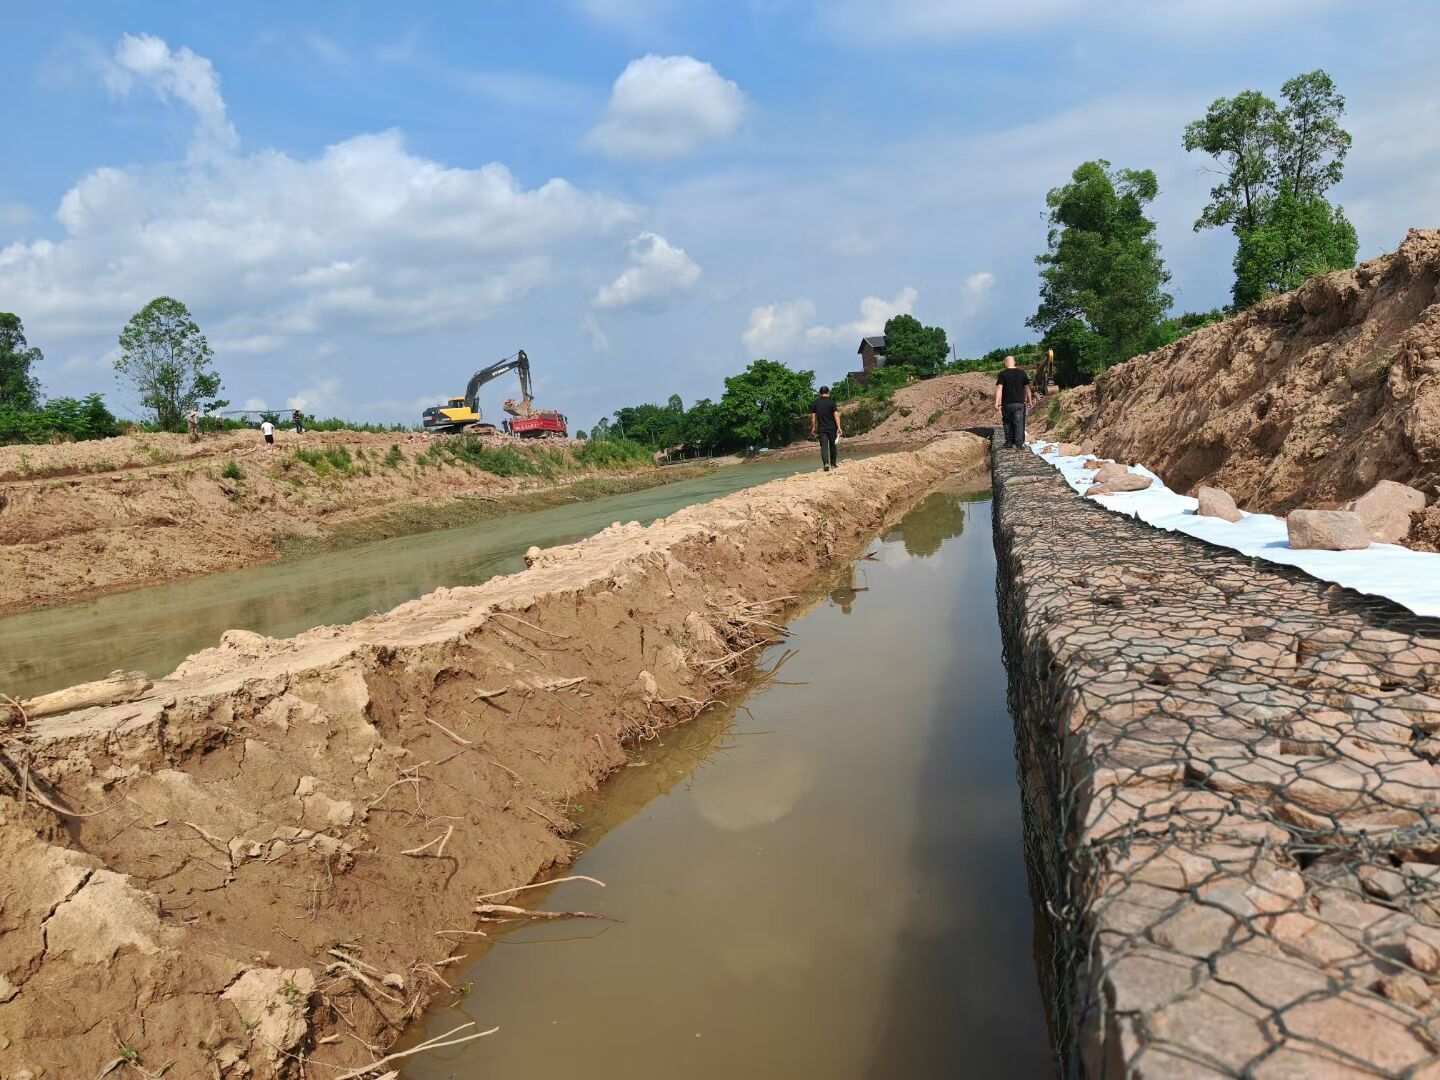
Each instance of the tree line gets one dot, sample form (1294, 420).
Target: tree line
(1103, 281)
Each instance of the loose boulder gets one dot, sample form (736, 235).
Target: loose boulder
(1386, 510)
(1217, 504)
(1069, 449)
(1327, 530)
(1111, 470)
(1116, 484)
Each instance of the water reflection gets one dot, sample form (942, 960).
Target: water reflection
(941, 516)
(828, 882)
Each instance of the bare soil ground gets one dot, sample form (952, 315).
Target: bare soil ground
(269, 860)
(81, 519)
(931, 407)
(1306, 399)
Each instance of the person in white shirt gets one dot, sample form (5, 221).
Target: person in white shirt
(268, 430)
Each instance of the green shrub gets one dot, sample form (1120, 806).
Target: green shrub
(905, 410)
(231, 471)
(614, 454)
(324, 462)
(867, 415)
(934, 416)
(393, 457)
(59, 419)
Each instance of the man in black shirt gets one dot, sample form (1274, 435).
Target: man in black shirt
(825, 422)
(1012, 395)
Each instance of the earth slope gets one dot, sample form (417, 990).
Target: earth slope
(1306, 399)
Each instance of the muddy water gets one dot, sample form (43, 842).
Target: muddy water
(153, 629)
(824, 882)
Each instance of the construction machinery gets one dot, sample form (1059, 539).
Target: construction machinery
(462, 414)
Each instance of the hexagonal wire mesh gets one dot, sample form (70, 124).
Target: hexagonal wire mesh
(1230, 788)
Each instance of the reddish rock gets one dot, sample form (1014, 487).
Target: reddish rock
(1111, 470)
(1386, 510)
(1216, 503)
(1069, 449)
(1326, 530)
(1123, 482)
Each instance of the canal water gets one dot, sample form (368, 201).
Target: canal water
(153, 629)
(823, 880)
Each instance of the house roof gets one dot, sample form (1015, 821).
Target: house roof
(875, 341)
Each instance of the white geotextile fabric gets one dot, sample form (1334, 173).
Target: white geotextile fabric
(1410, 578)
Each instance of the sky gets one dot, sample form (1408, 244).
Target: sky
(363, 203)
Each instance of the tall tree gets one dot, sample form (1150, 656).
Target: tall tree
(908, 342)
(1277, 165)
(1241, 134)
(166, 358)
(1102, 279)
(1299, 236)
(19, 389)
(764, 403)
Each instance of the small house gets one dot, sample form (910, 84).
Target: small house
(872, 352)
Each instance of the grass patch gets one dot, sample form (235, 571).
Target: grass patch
(334, 459)
(613, 454)
(231, 471)
(394, 457)
(934, 416)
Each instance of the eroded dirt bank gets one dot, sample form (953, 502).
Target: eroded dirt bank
(287, 837)
(1231, 796)
(78, 520)
(1306, 399)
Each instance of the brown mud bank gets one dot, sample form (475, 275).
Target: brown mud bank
(1305, 399)
(273, 858)
(76, 526)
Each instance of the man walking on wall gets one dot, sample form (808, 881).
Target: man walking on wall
(1012, 395)
(825, 422)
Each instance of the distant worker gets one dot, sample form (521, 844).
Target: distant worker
(192, 423)
(299, 422)
(268, 430)
(825, 422)
(1012, 395)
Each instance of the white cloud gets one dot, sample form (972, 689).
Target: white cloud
(657, 269)
(367, 237)
(974, 292)
(322, 395)
(665, 107)
(599, 340)
(922, 20)
(790, 324)
(143, 59)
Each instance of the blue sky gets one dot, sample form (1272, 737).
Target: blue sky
(362, 203)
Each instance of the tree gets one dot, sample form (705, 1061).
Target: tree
(764, 403)
(908, 342)
(1278, 163)
(1102, 279)
(601, 431)
(19, 389)
(1298, 237)
(166, 358)
(580, 434)
(675, 405)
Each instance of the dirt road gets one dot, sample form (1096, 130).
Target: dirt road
(271, 855)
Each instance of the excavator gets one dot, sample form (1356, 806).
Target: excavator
(462, 414)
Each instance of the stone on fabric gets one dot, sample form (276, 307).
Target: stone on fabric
(1117, 484)
(1111, 470)
(1327, 530)
(1216, 503)
(1069, 449)
(1386, 510)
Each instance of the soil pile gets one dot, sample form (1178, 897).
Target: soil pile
(1306, 399)
(271, 857)
(928, 408)
(81, 519)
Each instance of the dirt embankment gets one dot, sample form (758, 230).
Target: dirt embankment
(1305, 399)
(931, 407)
(82, 519)
(274, 854)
